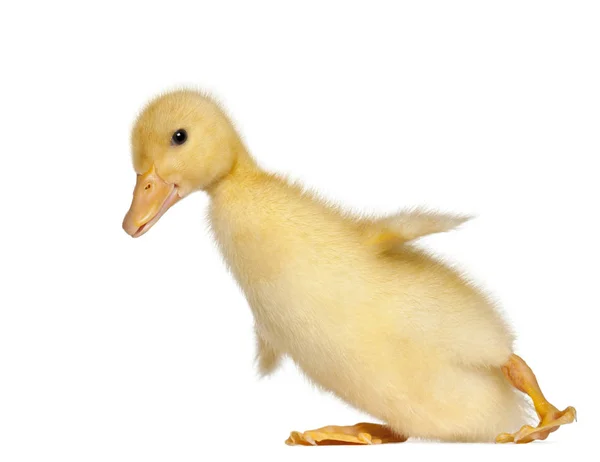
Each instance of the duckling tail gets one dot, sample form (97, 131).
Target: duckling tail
(393, 230)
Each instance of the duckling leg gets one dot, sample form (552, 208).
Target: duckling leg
(361, 433)
(522, 378)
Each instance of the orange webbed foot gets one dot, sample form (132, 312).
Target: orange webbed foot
(522, 377)
(361, 434)
(549, 424)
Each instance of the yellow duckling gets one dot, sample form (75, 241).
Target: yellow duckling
(364, 314)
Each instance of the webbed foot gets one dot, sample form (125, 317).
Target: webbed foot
(523, 378)
(361, 433)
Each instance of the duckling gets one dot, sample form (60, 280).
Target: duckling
(363, 312)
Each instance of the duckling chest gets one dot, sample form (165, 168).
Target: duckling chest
(299, 293)
(298, 268)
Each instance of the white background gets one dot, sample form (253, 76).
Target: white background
(123, 350)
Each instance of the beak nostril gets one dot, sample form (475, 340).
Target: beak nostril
(148, 186)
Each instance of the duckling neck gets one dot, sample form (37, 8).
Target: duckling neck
(243, 170)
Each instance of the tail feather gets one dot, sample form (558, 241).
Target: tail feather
(393, 230)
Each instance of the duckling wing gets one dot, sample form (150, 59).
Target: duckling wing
(390, 231)
(267, 357)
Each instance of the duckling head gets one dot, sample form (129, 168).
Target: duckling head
(182, 142)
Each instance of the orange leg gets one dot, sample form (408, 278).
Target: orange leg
(361, 433)
(523, 379)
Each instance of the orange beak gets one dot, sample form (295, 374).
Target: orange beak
(152, 197)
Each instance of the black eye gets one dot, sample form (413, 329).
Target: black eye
(179, 137)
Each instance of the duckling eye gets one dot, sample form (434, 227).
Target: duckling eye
(179, 137)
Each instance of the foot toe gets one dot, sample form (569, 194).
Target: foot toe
(505, 438)
(365, 438)
(301, 439)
